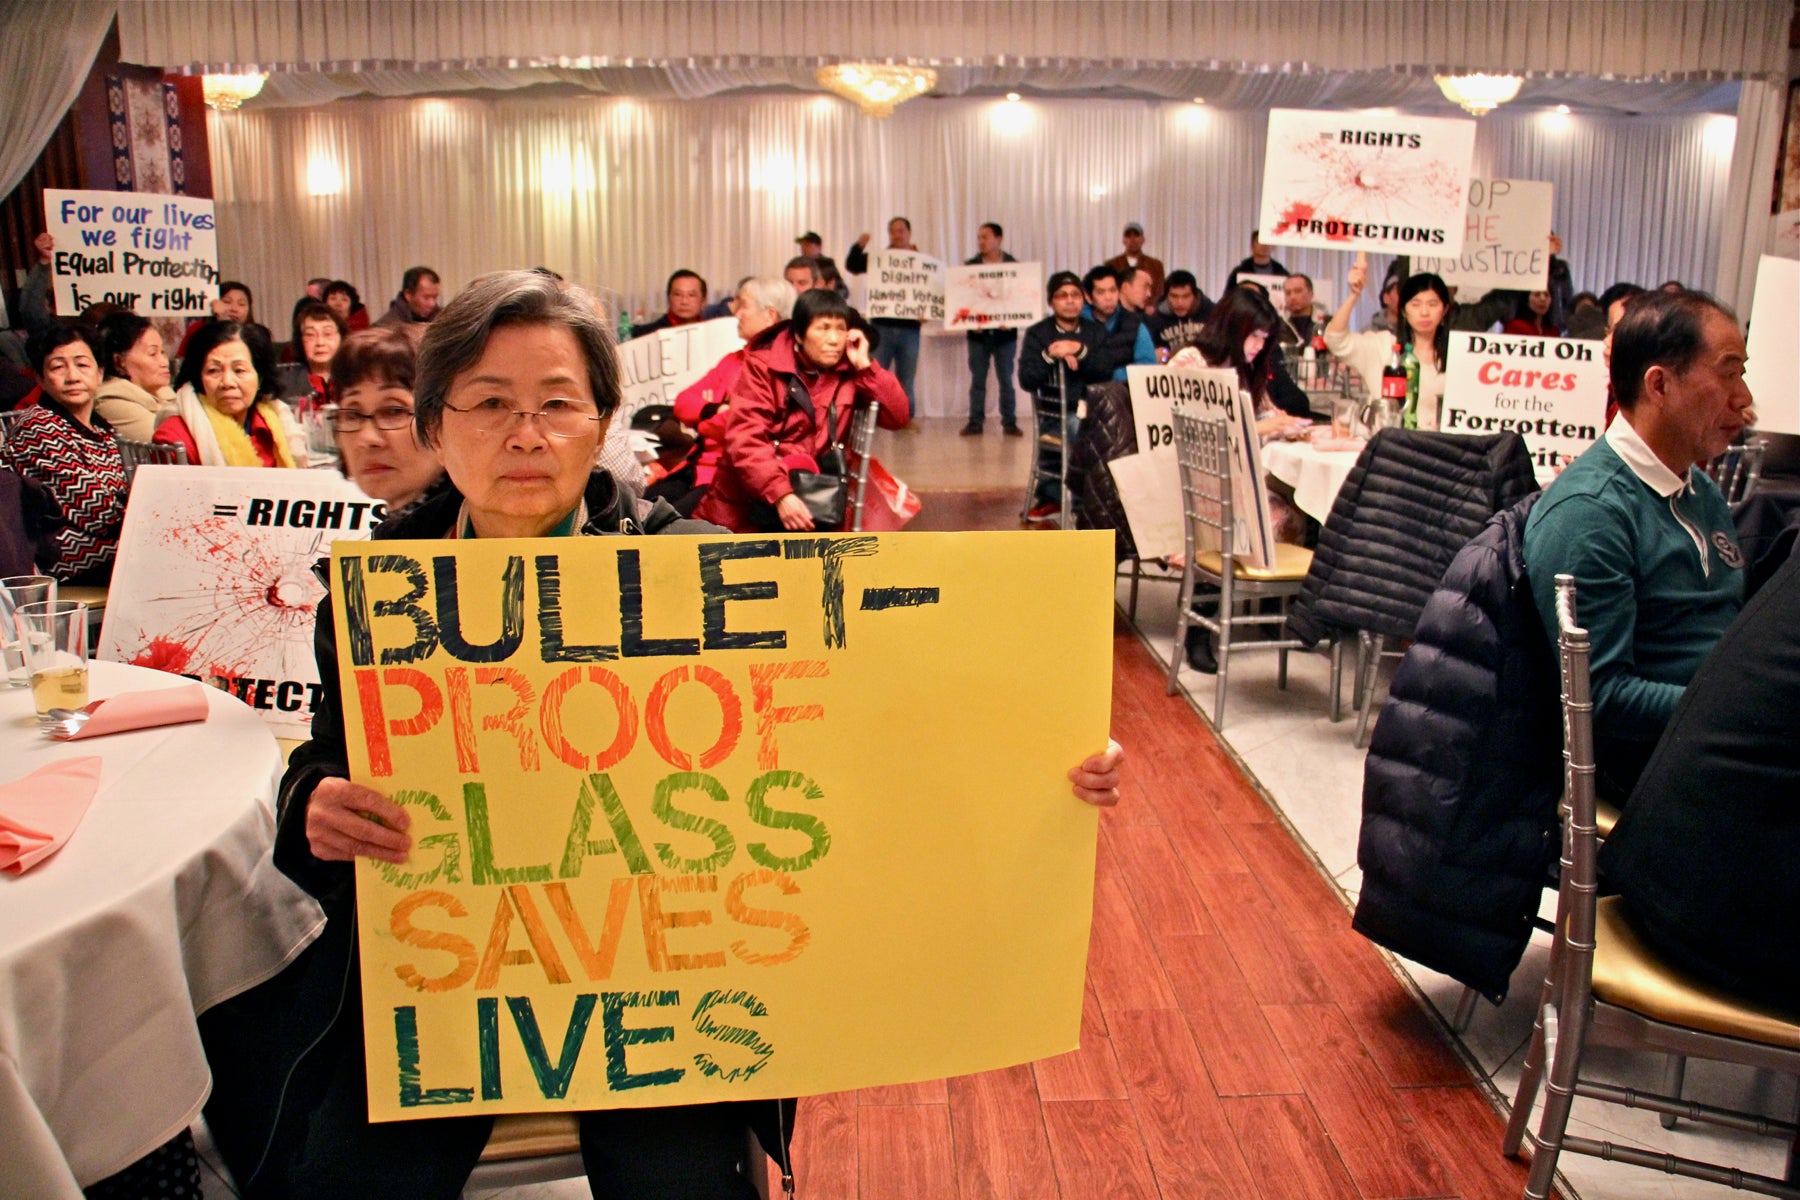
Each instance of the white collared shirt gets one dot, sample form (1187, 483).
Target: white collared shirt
(1636, 453)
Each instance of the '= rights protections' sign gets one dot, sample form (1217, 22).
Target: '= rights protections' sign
(1362, 181)
(700, 819)
(215, 580)
(1550, 391)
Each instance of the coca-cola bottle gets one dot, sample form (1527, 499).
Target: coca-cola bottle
(1393, 380)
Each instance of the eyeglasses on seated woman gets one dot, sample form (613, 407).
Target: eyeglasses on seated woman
(373, 422)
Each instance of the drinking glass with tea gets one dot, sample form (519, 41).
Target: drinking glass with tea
(55, 646)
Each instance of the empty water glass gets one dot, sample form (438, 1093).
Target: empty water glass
(16, 590)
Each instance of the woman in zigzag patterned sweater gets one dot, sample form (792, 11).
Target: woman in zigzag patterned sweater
(65, 445)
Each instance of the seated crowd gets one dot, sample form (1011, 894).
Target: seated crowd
(1635, 519)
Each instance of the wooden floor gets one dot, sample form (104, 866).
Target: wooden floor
(1238, 1039)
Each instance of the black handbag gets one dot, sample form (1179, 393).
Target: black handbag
(825, 492)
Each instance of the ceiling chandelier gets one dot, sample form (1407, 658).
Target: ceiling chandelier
(1479, 94)
(226, 92)
(877, 88)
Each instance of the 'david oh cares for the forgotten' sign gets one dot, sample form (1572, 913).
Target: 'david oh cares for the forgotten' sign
(699, 819)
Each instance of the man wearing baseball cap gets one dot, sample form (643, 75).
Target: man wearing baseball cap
(1134, 257)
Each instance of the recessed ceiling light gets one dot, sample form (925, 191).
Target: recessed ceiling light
(1013, 96)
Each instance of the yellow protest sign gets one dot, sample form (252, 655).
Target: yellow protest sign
(701, 819)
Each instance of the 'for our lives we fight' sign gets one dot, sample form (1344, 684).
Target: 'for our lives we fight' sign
(1550, 391)
(699, 819)
(1149, 481)
(1361, 181)
(905, 285)
(1507, 239)
(657, 366)
(214, 580)
(156, 255)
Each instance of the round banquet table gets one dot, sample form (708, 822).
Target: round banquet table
(163, 902)
(1315, 475)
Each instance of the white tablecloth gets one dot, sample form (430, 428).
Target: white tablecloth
(1314, 474)
(163, 903)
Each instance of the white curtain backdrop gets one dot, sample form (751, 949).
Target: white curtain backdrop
(615, 193)
(1663, 39)
(1747, 233)
(45, 53)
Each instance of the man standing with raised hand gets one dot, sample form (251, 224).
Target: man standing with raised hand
(898, 349)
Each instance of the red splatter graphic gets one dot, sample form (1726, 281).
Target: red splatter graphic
(1295, 213)
(243, 609)
(165, 654)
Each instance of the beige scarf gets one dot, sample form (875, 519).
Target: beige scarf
(224, 441)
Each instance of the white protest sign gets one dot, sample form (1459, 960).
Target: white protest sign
(214, 579)
(1773, 372)
(659, 365)
(1151, 490)
(1006, 295)
(1272, 284)
(905, 285)
(1784, 233)
(156, 255)
(1550, 391)
(1506, 240)
(1361, 181)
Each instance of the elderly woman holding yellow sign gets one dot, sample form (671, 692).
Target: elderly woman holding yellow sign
(516, 382)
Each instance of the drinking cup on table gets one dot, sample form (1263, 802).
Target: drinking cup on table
(1343, 417)
(55, 636)
(16, 590)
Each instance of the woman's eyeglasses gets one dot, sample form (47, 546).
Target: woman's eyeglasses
(558, 418)
(390, 418)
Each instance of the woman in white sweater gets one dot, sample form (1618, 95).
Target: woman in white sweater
(1424, 309)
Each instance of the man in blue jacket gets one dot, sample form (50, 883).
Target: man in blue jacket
(1127, 338)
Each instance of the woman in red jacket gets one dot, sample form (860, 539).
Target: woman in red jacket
(780, 406)
(762, 304)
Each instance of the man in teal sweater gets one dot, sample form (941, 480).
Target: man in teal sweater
(1646, 535)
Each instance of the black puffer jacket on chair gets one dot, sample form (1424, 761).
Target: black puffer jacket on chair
(1107, 432)
(1459, 824)
(1412, 501)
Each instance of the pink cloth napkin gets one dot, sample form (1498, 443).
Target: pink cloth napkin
(40, 811)
(145, 710)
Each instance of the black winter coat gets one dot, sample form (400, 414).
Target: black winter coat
(1463, 776)
(1039, 374)
(1108, 431)
(1412, 501)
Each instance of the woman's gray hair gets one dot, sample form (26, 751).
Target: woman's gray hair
(770, 291)
(457, 338)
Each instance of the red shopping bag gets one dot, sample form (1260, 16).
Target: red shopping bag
(888, 504)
